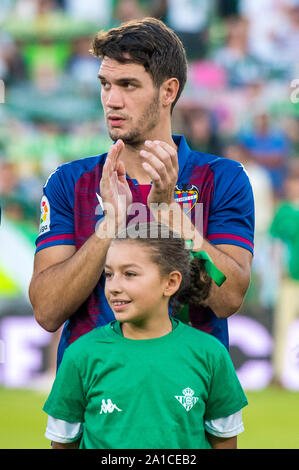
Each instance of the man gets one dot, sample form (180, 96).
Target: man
(142, 74)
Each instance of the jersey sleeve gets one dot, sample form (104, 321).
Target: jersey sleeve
(61, 431)
(57, 219)
(229, 426)
(67, 400)
(231, 219)
(226, 395)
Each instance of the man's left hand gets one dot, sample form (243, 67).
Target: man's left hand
(161, 164)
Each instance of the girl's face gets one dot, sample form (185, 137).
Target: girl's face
(135, 288)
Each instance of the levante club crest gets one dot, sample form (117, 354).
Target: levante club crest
(186, 195)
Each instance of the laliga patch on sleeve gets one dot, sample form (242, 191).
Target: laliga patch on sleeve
(45, 216)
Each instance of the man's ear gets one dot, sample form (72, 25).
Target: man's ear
(169, 91)
(173, 283)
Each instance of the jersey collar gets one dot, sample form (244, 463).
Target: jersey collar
(183, 152)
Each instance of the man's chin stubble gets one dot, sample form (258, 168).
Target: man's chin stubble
(131, 140)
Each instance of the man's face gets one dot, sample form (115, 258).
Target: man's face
(130, 101)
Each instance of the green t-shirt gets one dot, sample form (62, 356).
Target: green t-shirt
(285, 226)
(145, 394)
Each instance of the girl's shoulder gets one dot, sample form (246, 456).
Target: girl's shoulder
(99, 335)
(207, 342)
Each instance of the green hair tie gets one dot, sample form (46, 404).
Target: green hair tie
(215, 273)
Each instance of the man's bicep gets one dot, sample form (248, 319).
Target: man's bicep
(241, 256)
(231, 216)
(50, 256)
(240, 270)
(235, 263)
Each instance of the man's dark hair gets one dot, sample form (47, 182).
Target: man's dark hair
(148, 42)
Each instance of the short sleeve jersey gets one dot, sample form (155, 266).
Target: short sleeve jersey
(155, 407)
(214, 191)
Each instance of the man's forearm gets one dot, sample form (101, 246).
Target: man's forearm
(71, 282)
(228, 298)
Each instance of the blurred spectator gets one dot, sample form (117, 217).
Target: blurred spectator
(292, 130)
(12, 65)
(264, 17)
(45, 62)
(274, 26)
(261, 186)
(82, 66)
(200, 130)
(6, 6)
(190, 20)
(43, 7)
(285, 227)
(35, 9)
(269, 147)
(14, 200)
(287, 35)
(240, 65)
(263, 267)
(9, 181)
(98, 11)
(226, 8)
(127, 10)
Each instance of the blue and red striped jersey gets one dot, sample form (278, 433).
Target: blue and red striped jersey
(214, 189)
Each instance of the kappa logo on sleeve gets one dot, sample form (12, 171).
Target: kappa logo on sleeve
(45, 216)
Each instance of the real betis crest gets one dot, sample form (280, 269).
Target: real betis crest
(187, 400)
(186, 195)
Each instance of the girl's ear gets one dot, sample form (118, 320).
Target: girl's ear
(173, 283)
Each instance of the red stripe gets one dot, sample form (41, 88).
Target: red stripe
(215, 236)
(67, 236)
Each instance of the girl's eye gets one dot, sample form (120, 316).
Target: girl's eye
(130, 274)
(108, 275)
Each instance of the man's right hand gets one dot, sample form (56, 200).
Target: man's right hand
(73, 274)
(114, 189)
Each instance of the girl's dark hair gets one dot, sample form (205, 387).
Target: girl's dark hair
(167, 250)
(148, 42)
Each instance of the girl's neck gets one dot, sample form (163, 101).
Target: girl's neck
(144, 331)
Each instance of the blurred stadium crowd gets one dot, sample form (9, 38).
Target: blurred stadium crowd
(241, 101)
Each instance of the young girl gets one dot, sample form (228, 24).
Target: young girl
(147, 380)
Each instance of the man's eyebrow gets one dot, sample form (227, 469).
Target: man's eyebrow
(120, 81)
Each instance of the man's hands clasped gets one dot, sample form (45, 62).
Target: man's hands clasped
(162, 166)
(160, 162)
(115, 193)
